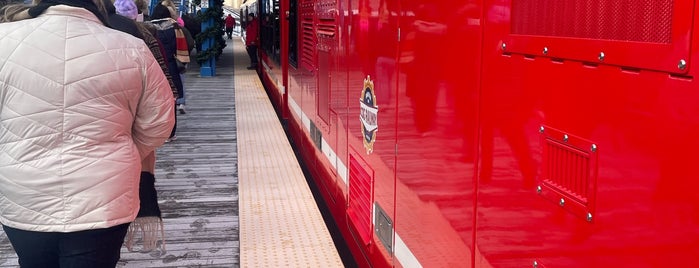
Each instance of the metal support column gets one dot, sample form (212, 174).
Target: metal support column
(208, 68)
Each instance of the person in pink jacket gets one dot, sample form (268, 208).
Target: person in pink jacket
(81, 105)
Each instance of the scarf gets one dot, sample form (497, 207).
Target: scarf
(147, 228)
(182, 54)
(86, 4)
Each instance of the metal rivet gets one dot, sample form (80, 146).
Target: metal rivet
(503, 46)
(535, 264)
(589, 217)
(562, 202)
(593, 148)
(546, 50)
(538, 189)
(541, 129)
(682, 65)
(601, 56)
(565, 137)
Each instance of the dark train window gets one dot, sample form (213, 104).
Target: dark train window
(269, 28)
(293, 34)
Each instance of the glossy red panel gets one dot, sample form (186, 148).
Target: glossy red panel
(371, 120)
(642, 214)
(437, 102)
(472, 145)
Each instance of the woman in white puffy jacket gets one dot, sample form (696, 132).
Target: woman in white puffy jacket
(80, 105)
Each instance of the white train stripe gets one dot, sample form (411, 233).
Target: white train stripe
(295, 107)
(404, 255)
(328, 152)
(342, 171)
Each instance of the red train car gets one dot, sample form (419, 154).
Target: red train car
(495, 133)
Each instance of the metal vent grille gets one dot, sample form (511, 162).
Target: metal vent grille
(308, 40)
(326, 27)
(568, 171)
(622, 20)
(360, 199)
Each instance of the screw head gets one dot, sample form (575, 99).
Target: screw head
(601, 56)
(538, 189)
(503, 46)
(541, 129)
(546, 50)
(535, 264)
(593, 148)
(682, 64)
(565, 137)
(589, 217)
(562, 202)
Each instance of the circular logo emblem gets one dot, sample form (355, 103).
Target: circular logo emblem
(368, 114)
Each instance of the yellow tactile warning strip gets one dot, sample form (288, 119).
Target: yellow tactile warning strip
(280, 225)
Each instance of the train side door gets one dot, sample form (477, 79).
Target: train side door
(328, 96)
(372, 49)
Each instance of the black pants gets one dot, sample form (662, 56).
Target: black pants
(252, 52)
(174, 127)
(88, 249)
(229, 32)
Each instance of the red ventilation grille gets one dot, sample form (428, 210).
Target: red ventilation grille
(623, 20)
(308, 40)
(569, 171)
(360, 199)
(326, 26)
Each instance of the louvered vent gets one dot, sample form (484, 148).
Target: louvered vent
(623, 20)
(569, 171)
(326, 28)
(360, 199)
(308, 39)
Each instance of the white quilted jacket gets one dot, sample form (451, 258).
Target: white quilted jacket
(79, 104)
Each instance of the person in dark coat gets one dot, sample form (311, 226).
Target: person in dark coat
(162, 20)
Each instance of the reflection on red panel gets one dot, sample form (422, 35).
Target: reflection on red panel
(504, 133)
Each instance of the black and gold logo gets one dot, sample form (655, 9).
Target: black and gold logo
(368, 114)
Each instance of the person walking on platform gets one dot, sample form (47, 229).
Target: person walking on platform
(251, 39)
(230, 24)
(174, 42)
(76, 120)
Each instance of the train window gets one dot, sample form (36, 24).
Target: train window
(269, 28)
(605, 32)
(293, 34)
